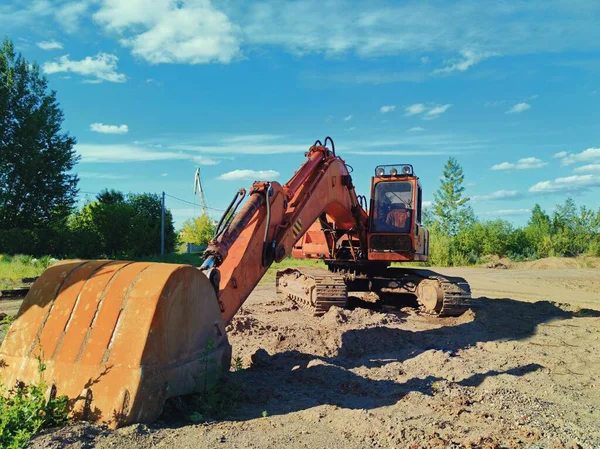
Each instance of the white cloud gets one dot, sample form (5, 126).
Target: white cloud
(91, 153)
(388, 108)
(268, 144)
(424, 59)
(371, 29)
(416, 129)
(559, 155)
(530, 162)
(98, 175)
(166, 31)
(427, 203)
(50, 45)
(251, 138)
(249, 175)
(522, 164)
(519, 107)
(223, 148)
(34, 13)
(109, 129)
(215, 30)
(589, 155)
(69, 14)
(348, 118)
(575, 183)
(437, 111)
(164, 174)
(469, 59)
(414, 109)
(205, 160)
(153, 82)
(95, 69)
(497, 195)
(503, 166)
(587, 168)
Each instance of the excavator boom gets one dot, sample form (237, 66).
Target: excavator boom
(274, 218)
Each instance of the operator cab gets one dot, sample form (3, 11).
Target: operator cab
(395, 215)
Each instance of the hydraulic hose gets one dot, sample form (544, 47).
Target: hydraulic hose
(268, 224)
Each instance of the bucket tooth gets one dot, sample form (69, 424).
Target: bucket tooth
(117, 338)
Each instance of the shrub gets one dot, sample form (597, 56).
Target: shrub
(24, 411)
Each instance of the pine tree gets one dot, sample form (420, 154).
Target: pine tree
(449, 206)
(37, 189)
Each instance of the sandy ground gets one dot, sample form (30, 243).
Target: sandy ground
(521, 369)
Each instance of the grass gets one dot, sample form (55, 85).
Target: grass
(289, 262)
(15, 268)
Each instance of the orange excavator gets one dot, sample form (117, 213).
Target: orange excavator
(118, 338)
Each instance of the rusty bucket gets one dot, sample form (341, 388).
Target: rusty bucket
(117, 338)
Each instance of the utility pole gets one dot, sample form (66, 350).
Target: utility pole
(200, 192)
(162, 226)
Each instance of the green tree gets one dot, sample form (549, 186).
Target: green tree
(449, 206)
(36, 157)
(538, 231)
(113, 217)
(198, 231)
(119, 226)
(144, 236)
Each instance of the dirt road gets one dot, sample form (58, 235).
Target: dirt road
(512, 372)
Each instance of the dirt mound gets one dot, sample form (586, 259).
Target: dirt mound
(495, 262)
(560, 263)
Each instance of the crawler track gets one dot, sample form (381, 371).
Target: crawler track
(437, 294)
(456, 296)
(315, 289)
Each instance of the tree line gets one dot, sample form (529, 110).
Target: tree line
(458, 237)
(38, 189)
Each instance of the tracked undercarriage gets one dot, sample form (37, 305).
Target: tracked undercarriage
(318, 289)
(314, 289)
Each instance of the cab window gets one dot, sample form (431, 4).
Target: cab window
(392, 206)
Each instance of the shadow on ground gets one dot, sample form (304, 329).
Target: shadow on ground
(291, 381)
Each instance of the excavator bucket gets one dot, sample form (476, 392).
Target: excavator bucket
(117, 338)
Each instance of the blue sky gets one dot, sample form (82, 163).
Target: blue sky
(153, 89)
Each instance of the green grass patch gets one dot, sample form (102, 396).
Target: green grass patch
(289, 262)
(15, 268)
(25, 410)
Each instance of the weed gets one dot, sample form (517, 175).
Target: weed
(24, 411)
(4, 325)
(238, 364)
(264, 414)
(217, 397)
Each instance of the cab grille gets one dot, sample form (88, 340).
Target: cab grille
(390, 243)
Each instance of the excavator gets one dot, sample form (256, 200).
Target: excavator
(119, 338)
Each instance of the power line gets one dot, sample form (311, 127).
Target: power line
(170, 196)
(192, 204)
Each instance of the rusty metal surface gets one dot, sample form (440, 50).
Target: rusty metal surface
(117, 338)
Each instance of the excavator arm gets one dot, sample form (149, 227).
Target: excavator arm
(274, 218)
(118, 338)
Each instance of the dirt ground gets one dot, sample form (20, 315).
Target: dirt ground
(521, 369)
